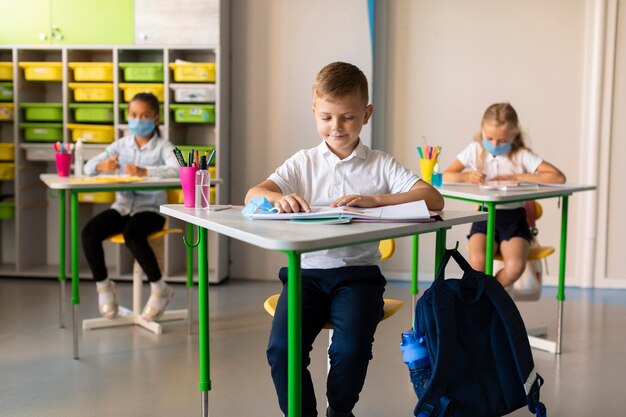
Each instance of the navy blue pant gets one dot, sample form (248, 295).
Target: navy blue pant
(136, 229)
(351, 298)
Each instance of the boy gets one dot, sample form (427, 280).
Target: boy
(342, 285)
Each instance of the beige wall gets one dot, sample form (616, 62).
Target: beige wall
(438, 66)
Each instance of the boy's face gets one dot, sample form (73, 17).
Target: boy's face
(340, 122)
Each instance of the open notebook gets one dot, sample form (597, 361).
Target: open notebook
(407, 212)
(509, 186)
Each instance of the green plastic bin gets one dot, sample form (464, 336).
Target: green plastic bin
(6, 91)
(185, 149)
(42, 132)
(193, 113)
(93, 113)
(124, 106)
(7, 210)
(42, 112)
(142, 71)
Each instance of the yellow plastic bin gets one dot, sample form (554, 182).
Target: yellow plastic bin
(92, 133)
(6, 111)
(7, 171)
(92, 91)
(42, 71)
(7, 152)
(103, 197)
(194, 72)
(6, 71)
(92, 71)
(130, 90)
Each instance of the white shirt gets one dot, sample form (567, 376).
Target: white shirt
(156, 156)
(320, 177)
(523, 161)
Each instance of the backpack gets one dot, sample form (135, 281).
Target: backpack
(481, 364)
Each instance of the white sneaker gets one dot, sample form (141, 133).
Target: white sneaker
(158, 301)
(109, 310)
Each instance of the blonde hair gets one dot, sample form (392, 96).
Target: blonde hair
(338, 80)
(503, 114)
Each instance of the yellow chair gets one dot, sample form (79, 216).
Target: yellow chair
(387, 248)
(129, 317)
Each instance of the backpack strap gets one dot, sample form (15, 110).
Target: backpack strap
(518, 340)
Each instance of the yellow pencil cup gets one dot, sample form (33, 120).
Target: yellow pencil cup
(427, 166)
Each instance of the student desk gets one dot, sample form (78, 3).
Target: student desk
(293, 239)
(491, 198)
(63, 184)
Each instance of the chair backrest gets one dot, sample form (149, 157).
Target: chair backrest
(386, 247)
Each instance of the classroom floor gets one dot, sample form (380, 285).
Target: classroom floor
(130, 372)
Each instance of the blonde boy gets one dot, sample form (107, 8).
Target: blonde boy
(342, 285)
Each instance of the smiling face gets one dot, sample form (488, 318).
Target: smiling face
(339, 122)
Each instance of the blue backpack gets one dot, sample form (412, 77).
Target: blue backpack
(481, 364)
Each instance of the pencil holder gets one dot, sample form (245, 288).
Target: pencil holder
(63, 162)
(427, 166)
(188, 183)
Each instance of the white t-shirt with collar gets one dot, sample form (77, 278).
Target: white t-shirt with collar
(320, 177)
(524, 161)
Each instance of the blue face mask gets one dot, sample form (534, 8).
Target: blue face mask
(141, 127)
(259, 205)
(496, 150)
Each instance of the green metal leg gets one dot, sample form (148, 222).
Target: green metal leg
(294, 336)
(190, 228)
(491, 233)
(75, 276)
(414, 269)
(561, 291)
(62, 232)
(204, 384)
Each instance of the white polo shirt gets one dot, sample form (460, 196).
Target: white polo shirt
(524, 161)
(320, 177)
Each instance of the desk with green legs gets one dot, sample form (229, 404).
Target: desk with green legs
(490, 199)
(66, 184)
(292, 239)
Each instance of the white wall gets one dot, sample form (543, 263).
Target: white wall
(438, 66)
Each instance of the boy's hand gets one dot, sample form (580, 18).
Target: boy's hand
(354, 200)
(292, 203)
(135, 170)
(109, 164)
(476, 177)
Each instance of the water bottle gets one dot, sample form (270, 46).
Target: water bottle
(415, 355)
(78, 159)
(203, 186)
(414, 351)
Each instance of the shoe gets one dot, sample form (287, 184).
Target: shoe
(109, 310)
(151, 313)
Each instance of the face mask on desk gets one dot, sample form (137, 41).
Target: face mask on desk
(496, 150)
(259, 205)
(141, 127)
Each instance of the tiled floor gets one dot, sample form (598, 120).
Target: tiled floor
(131, 372)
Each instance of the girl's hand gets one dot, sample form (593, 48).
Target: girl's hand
(135, 170)
(354, 200)
(109, 164)
(292, 203)
(476, 177)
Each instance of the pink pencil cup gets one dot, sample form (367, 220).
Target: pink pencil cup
(63, 162)
(188, 182)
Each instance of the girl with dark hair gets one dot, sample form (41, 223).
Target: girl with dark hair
(134, 213)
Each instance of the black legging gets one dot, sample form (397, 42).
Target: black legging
(136, 229)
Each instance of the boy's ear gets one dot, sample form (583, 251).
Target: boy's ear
(368, 113)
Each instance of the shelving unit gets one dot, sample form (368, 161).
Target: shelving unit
(34, 230)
